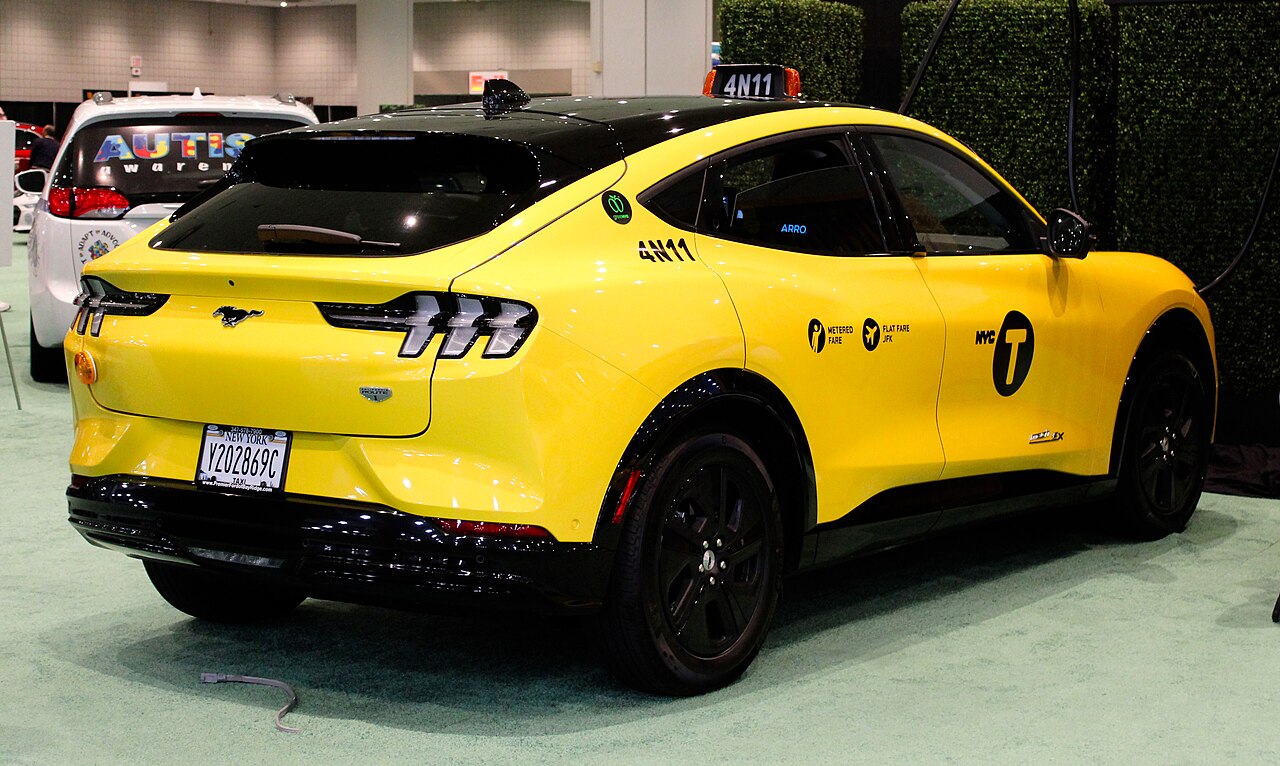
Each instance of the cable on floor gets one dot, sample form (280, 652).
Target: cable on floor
(213, 678)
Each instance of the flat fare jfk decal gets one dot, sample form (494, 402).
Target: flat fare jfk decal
(162, 152)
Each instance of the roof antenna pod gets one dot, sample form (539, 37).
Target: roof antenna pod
(502, 96)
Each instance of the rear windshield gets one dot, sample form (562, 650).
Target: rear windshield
(160, 159)
(371, 194)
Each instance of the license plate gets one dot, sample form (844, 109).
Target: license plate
(253, 459)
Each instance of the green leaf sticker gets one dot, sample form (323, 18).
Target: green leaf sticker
(617, 207)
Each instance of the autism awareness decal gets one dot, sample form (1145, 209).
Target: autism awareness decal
(158, 148)
(143, 146)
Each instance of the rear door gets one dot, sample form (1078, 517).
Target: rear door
(845, 328)
(1025, 337)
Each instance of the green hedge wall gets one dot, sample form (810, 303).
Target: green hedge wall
(822, 40)
(1000, 83)
(1199, 116)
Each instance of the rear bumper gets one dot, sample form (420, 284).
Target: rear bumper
(354, 552)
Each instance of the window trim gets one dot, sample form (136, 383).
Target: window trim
(646, 196)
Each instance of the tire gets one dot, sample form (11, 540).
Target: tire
(47, 364)
(218, 597)
(1166, 449)
(697, 576)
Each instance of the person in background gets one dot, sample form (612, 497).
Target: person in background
(2, 117)
(45, 149)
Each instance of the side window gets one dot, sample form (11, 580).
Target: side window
(678, 203)
(954, 207)
(801, 195)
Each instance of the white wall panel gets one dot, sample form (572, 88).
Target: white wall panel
(50, 51)
(677, 46)
(530, 34)
(384, 54)
(315, 50)
(651, 47)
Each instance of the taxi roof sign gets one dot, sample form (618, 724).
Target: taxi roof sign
(752, 81)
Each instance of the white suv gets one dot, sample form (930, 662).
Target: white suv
(125, 164)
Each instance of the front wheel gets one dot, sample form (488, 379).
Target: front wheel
(219, 597)
(697, 577)
(1166, 448)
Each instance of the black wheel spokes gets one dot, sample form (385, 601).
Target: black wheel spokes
(1170, 453)
(683, 536)
(711, 558)
(684, 595)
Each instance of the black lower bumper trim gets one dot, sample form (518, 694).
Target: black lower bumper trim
(336, 550)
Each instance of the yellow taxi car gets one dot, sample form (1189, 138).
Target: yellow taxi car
(642, 357)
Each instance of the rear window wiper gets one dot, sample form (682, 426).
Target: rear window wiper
(296, 234)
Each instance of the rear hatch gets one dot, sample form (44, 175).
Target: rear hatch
(309, 290)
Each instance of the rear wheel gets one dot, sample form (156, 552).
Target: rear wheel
(219, 597)
(1166, 448)
(47, 364)
(697, 577)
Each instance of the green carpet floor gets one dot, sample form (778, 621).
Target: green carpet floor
(1029, 642)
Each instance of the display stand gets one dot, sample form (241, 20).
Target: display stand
(6, 187)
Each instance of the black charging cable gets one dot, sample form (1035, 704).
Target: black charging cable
(1073, 8)
(928, 56)
(1253, 230)
(1073, 11)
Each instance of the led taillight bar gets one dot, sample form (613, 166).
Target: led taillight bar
(463, 319)
(99, 298)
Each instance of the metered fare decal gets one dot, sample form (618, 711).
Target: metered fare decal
(1015, 345)
(871, 332)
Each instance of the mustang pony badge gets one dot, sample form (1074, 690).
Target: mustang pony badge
(232, 316)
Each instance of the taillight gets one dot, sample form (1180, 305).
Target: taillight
(98, 298)
(81, 202)
(464, 319)
(493, 529)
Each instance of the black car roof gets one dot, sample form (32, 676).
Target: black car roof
(590, 132)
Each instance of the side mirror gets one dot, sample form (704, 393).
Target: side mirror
(30, 181)
(1069, 235)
